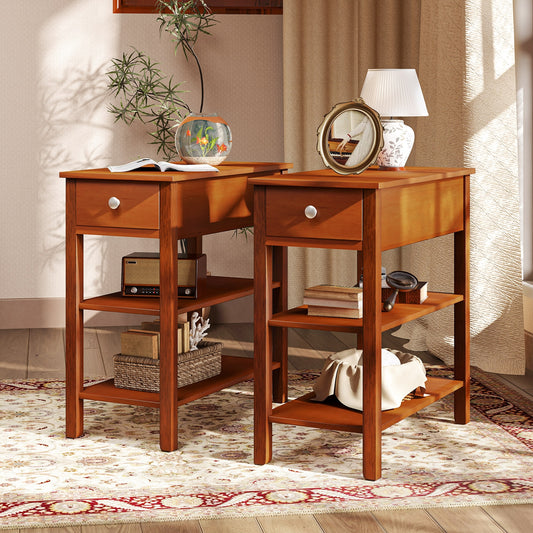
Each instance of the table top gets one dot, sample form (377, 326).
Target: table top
(372, 178)
(151, 173)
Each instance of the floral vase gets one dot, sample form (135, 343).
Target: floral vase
(203, 138)
(398, 140)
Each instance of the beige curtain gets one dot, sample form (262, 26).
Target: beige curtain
(463, 52)
(328, 47)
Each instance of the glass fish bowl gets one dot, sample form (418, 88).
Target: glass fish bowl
(203, 138)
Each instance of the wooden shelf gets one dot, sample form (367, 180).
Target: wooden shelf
(400, 314)
(306, 412)
(213, 290)
(234, 370)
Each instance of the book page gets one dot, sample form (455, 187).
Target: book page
(132, 165)
(162, 166)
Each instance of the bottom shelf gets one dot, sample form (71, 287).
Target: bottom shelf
(305, 412)
(234, 370)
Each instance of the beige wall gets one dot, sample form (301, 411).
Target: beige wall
(53, 116)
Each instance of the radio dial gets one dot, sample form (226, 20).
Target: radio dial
(134, 290)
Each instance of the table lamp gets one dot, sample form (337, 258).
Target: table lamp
(394, 93)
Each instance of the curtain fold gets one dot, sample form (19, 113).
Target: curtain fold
(328, 47)
(464, 55)
(320, 43)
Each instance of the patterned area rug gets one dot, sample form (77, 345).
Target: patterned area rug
(116, 472)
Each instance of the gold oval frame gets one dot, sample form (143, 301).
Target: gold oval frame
(372, 145)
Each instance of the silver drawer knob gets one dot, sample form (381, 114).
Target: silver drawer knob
(310, 211)
(113, 202)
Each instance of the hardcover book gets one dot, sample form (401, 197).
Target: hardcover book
(140, 343)
(340, 312)
(330, 302)
(334, 292)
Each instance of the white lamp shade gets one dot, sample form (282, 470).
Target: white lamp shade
(394, 93)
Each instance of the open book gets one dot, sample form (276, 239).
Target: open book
(162, 166)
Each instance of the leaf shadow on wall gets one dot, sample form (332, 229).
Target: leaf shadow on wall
(75, 132)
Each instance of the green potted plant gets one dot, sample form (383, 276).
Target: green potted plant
(144, 93)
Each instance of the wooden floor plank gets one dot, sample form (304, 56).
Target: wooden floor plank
(513, 518)
(113, 528)
(348, 339)
(14, 353)
(407, 520)
(522, 384)
(183, 526)
(362, 522)
(109, 343)
(302, 355)
(46, 350)
(71, 529)
(93, 363)
(390, 340)
(461, 519)
(289, 524)
(222, 333)
(230, 525)
(324, 344)
(244, 334)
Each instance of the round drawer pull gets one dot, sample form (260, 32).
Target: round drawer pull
(310, 211)
(113, 202)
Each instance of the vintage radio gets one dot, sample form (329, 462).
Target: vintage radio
(140, 274)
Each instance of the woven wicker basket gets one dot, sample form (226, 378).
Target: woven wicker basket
(142, 373)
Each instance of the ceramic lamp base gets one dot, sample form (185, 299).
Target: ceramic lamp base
(398, 140)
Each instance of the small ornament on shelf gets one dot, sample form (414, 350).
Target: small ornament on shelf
(198, 329)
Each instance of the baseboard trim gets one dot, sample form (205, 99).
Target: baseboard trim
(22, 313)
(37, 313)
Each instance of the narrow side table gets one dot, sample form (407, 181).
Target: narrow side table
(372, 212)
(167, 206)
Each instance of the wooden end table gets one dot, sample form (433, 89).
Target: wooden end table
(371, 212)
(167, 206)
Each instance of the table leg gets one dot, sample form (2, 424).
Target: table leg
(168, 361)
(462, 313)
(372, 335)
(73, 319)
(262, 337)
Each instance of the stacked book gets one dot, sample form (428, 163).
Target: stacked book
(334, 300)
(144, 342)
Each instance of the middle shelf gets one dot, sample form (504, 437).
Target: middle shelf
(212, 290)
(400, 314)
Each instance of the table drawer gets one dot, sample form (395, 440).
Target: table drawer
(117, 204)
(290, 210)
